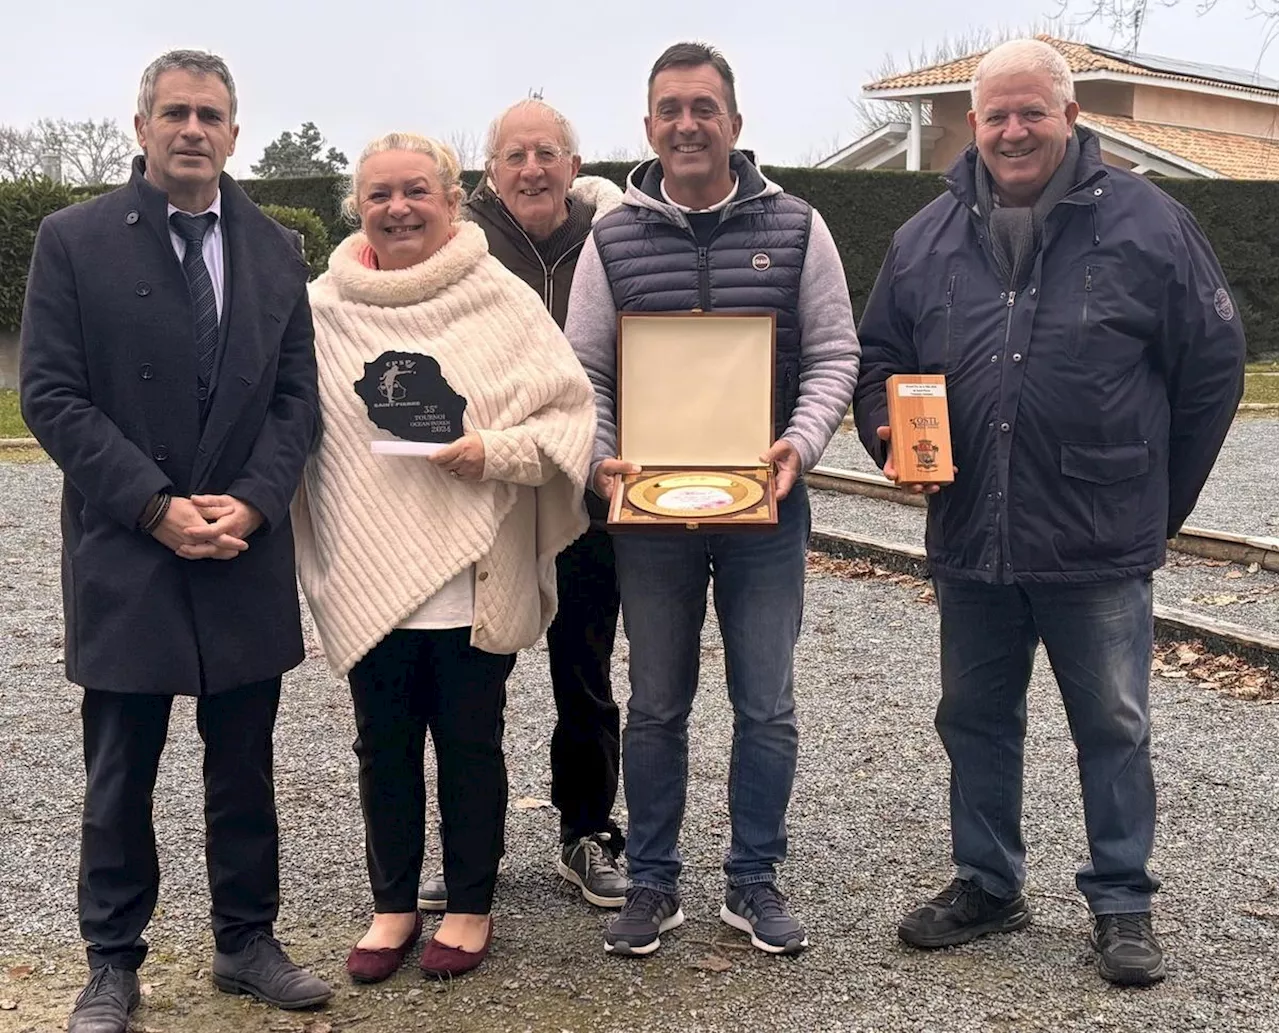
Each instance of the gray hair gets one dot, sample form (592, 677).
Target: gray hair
(448, 168)
(568, 136)
(1025, 55)
(198, 62)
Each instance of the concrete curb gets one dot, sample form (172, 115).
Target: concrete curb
(1171, 625)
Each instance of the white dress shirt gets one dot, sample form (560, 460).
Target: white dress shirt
(212, 249)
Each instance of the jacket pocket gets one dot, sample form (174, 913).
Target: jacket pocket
(1113, 316)
(939, 333)
(1105, 463)
(1110, 489)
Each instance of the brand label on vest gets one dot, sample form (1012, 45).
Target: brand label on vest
(760, 262)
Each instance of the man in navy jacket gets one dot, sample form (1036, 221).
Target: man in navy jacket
(1094, 360)
(168, 368)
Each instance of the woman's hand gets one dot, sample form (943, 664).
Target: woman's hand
(463, 459)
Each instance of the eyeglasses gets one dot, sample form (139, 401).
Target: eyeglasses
(544, 156)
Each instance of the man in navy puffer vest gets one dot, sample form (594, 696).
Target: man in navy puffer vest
(701, 228)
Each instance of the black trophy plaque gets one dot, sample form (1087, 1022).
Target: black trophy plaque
(407, 395)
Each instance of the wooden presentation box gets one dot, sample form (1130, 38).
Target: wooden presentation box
(919, 431)
(695, 412)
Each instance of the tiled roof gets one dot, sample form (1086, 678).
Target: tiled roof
(1080, 56)
(1231, 155)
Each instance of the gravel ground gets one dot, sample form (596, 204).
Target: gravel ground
(868, 840)
(1238, 497)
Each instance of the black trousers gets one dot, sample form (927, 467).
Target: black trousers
(124, 735)
(409, 683)
(584, 745)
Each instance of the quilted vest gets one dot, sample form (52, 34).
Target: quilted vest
(752, 263)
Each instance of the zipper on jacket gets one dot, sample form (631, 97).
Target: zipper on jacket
(1008, 319)
(704, 280)
(1088, 289)
(546, 273)
(951, 297)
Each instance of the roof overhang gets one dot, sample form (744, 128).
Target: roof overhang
(879, 147)
(1147, 156)
(1254, 96)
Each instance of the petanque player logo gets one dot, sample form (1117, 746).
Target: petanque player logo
(926, 454)
(389, 386)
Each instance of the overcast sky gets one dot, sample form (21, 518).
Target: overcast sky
(358, 69)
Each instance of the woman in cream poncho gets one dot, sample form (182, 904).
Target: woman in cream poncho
(426, 574)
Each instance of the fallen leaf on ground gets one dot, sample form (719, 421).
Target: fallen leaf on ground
(318, 1026)
(531, 803)
(20, 971)
(1222, 672)
(712, 963)
(1233, 574)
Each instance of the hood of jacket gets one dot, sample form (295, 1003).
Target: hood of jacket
(644, 187)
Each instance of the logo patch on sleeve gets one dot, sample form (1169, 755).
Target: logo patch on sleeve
(1222, 305)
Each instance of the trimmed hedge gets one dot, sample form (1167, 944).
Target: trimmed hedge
(320, 194)
(23, 205)
(306, 223)
(863, 209)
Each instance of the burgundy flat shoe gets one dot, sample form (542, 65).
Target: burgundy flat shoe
(447, 962)
(369, 965)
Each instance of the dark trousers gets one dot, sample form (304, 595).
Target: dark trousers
(409, 683)
(124, 735)
(1098, 637)
(584, 745)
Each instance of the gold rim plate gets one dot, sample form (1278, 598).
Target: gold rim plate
(695, 495)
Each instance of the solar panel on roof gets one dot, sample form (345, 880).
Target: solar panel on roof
(1192, 69)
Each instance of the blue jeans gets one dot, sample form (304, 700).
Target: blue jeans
(1098, 636)
(758, 591)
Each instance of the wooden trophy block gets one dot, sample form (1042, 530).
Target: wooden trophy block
(695, 412)
(920, 433)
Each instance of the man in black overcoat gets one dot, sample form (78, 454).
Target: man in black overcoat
(168, 369)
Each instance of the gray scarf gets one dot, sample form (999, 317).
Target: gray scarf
(1016, 232)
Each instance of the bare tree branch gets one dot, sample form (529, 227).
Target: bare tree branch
(1125, 19)
(468, 147)
(19, 153)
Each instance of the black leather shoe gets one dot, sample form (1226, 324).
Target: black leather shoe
(107, 1000)
(264, 970)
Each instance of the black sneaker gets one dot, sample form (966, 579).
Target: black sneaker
(761, 910)
(1128, 952)
(646, 914)
(590, 865)
(960, 913)
(106, 1002)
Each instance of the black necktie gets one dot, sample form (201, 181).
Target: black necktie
(192, 229)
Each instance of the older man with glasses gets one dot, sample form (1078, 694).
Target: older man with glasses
(536, 212)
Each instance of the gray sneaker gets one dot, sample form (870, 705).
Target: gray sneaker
(645, 915)
(433, 894)
(590, 865)
(761, 910)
